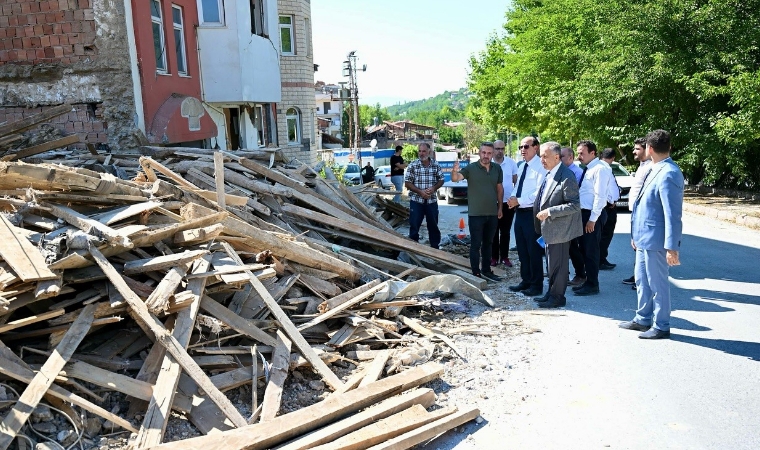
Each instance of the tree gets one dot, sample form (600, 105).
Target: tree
(473, 134)
(449, 135)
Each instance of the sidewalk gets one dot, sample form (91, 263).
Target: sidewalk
(741, 211)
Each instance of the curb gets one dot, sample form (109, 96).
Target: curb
(726, 216)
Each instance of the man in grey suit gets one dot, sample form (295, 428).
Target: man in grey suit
(656, 236)
(557, 212)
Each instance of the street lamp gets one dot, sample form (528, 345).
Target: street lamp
(349, 70)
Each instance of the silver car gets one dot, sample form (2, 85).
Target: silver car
(383, 177)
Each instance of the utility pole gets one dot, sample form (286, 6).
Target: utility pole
(350, 71)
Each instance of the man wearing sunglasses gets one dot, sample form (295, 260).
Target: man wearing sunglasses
(521, 200)
(500, 248)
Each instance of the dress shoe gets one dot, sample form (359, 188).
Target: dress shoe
(579, 287)
(519, 287)
(490, 276)
(606, 266)
(506, 262)
(531, 292)
(552, 303)
(587, 290)
(577, 281)
(654, 333)
(631, 280)
(633, 325)
(541, 299)
(494, 262)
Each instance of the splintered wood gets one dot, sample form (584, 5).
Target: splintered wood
(177, 279)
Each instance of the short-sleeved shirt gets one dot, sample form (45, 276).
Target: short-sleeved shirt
(394, 171)
(423, 177)
(508, 168)
(481, 188)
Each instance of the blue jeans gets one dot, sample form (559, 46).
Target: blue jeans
(482, 231)
(428, 211)
(398, 182)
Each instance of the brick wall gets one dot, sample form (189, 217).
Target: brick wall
(86, 120)
(47, 31)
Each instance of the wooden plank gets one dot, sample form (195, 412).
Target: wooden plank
(353, 381)
(235, 322)
(23, 257)
(12, 366)
(30, 320)
(388, 428)
(115, 238)
(219, 177)
(375, 369)
(268, 434)
(330, 378)
(150, 164)
(48, 288)
(429, 431)
(45, 146)
(346, 296)
(29, 122)
(423, 397)
(158, 300)
(342, 307)
(162, 262)
(126, 212)
(175, 348)
(42, 381)
(277, 375)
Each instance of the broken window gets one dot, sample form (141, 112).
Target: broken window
(179, 39)
(293, 120)
(326, 107)
(258, 19)
(159, 42)
(287, 43)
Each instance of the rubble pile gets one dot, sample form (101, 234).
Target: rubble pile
(170, 277)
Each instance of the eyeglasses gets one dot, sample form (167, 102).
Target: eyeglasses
(526, 146)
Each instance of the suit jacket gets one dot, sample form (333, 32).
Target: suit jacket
(656, 217)
(564, 204)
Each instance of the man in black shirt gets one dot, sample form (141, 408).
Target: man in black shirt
(397, 172)
(368, 173)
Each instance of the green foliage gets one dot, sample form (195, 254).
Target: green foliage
(449, 106)
(450, 135)
(409, 153)
(368, 113)
(612, 70)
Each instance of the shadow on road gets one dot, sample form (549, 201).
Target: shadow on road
(749, 350)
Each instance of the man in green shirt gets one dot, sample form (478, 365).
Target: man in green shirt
(485, 194)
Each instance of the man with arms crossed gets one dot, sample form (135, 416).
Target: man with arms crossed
(484, 200)
(500, 250)
(557, 212)
(656, 236)
(423, 177)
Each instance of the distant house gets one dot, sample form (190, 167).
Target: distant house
(329, 109)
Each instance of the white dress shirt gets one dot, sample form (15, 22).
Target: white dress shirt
(549, 185)
(533, 177)
(613, 190)
(594, 188)
(638, 181)
(508, 169)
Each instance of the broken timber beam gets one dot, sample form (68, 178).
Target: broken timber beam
(23, 257)
(29, 122)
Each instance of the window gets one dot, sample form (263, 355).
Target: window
(326, 107)
(287, 44)
(179, 39)
(307, 35)
(293, 120)
(211, 12)
(159, 43)
(258, 19)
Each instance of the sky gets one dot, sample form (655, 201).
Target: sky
(413, 49)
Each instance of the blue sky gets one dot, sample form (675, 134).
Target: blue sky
(413, 49)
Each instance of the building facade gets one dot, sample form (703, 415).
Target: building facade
(296, 112)
(329, 110)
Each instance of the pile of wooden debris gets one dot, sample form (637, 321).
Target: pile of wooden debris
(203, 272)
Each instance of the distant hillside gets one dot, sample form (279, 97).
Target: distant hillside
(422, 109)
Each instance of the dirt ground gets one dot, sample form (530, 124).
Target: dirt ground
(733, 204)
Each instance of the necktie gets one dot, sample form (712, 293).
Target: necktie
(582, 176)
(522, 179)
(541, 191)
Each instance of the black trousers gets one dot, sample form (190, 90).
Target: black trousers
(576, 257)
(482, 230)
(528, 250)
(608, 232)
(557, 256)
(589, 244)
(500, 247)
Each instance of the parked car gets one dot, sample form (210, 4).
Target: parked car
(383, 177)
(352, 175)
(624, 181)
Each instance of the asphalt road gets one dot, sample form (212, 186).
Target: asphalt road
(592, 385)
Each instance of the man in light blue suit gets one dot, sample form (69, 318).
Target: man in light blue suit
(656, 236)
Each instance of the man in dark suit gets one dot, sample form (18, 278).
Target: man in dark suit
(557, 211)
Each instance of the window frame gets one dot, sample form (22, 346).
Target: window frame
(291, 29)
(182, 45)
(296, 117)
(159, 20)
(220, 10)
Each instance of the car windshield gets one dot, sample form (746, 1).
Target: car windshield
(352, 168)
(619, 171)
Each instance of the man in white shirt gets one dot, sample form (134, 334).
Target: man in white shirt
(576, 257)
(521, 200)
(613, 195)
(640, 155)
(593, 192)
(500, 247)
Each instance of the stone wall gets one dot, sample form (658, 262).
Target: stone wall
(58, 51)
(297, 74)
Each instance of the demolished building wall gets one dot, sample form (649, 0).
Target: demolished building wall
(69, 51)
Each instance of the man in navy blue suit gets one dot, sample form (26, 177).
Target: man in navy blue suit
(656, 236)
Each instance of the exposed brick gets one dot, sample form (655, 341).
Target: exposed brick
(31, 54)
(58, 51)
(47, 29)
(85, 4)
(57, 28)
(69, 127)
(73, 39)
(89, 14)
(55, 40)
(39, 53)
(4, 56)
(64, 39)
(50, 18)
(18, 43)
(68, 50)
(13, 21)
(35, 42)
(45, 41)
(29, 31)
(26, 42)
(38, 30)
(66, 27)
(58, 17)
(68, 16)
(63, 5)
(26, 8)
(78, 126)
(49, 52)
(78, 14)
(34, 7)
